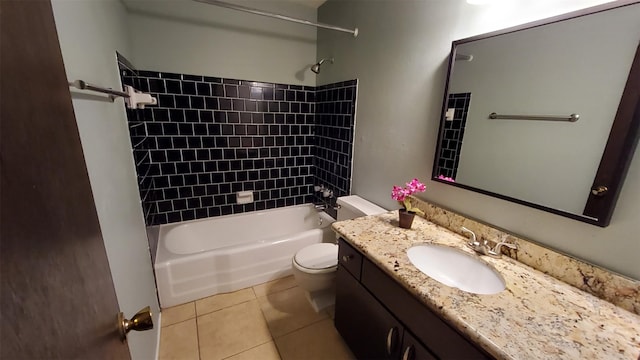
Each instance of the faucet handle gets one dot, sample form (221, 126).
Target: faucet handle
(473, 242)
(496, 249)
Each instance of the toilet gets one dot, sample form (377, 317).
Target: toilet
(314, 266)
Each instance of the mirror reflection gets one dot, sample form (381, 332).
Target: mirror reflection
(575, 66)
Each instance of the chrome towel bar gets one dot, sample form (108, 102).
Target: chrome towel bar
(83, 85)
(132, 97)
(570, 118)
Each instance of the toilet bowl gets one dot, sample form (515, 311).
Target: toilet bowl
(314, 269)
(314, 266)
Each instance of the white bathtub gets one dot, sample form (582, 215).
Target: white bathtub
(200, 258)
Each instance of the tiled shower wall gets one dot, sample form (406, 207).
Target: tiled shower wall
(139, 143)
(209, 138)
(335, 120)
(453, 135)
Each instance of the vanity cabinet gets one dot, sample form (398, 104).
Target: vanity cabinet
(368, 328)
(379, 319)
(412, 349)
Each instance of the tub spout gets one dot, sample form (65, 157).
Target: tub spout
(320, 207)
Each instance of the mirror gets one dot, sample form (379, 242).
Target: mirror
(545, 114)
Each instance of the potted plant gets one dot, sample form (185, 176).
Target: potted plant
(401, 194)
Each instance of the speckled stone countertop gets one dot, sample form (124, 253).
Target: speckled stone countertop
(536, 317)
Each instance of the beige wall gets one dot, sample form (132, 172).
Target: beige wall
(400, 59)
(192, 38)
(90, 32)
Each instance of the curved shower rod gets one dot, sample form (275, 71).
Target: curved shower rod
(277, 16)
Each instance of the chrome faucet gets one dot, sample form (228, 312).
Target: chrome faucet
(319, 207)
(484, 248)
(474, 243)
(496, 249)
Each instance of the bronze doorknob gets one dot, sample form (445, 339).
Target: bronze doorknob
(141, 321)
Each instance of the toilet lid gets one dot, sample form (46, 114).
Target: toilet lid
(318, 256)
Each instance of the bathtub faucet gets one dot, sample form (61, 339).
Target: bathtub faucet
(320, 207)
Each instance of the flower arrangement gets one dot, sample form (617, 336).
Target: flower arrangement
(445, 178)
(402, 194)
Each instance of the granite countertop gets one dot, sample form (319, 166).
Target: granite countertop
(536, 317)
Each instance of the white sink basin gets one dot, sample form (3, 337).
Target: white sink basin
(456, 268)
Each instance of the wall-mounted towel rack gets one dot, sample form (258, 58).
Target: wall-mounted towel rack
(132, 97)
(277, 16)
(570, 118)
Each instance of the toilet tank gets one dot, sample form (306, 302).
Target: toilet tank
(354, 206)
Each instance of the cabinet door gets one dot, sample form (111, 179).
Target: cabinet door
(412, 349)
(349, 258)
(367, 327)
(434, 332)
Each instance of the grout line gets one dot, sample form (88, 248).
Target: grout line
(245, 350)
(277, 349)
(273, 338)
(275, 292)
(223, 308)
(198, 338)
(298, 329)
(255, 297)
(176, 323)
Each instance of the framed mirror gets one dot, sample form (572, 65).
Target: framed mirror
(546, 114)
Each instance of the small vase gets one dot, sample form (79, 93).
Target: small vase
(405, 218)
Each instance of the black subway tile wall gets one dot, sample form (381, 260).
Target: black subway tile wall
(335, 120)
(453, 134)
(140, 144)
(210, 138)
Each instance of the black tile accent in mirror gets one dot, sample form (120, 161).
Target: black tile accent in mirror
(453, 134)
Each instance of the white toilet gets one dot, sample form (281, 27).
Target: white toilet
(314, 266)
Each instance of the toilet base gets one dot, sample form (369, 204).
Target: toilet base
(322, 299)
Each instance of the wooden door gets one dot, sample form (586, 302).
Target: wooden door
(58, 299)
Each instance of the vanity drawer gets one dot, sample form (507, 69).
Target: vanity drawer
(349, 258)
(439, 337)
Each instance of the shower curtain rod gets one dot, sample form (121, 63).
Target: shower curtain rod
(277, 16)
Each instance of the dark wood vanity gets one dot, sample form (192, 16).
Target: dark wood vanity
(379, 319)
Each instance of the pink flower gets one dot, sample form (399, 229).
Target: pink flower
(416, 186)
(445, 178)
(398, 193)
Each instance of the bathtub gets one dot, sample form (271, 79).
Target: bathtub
(200, 258)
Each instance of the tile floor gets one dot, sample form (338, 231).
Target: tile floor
(268, 321)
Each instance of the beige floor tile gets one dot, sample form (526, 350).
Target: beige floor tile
(274, 286)
(179, 341)
(221, 301)
(288, 310)
(319, 341)
(331, 310)
(231, 331)
(178, 313)
(266, 351)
